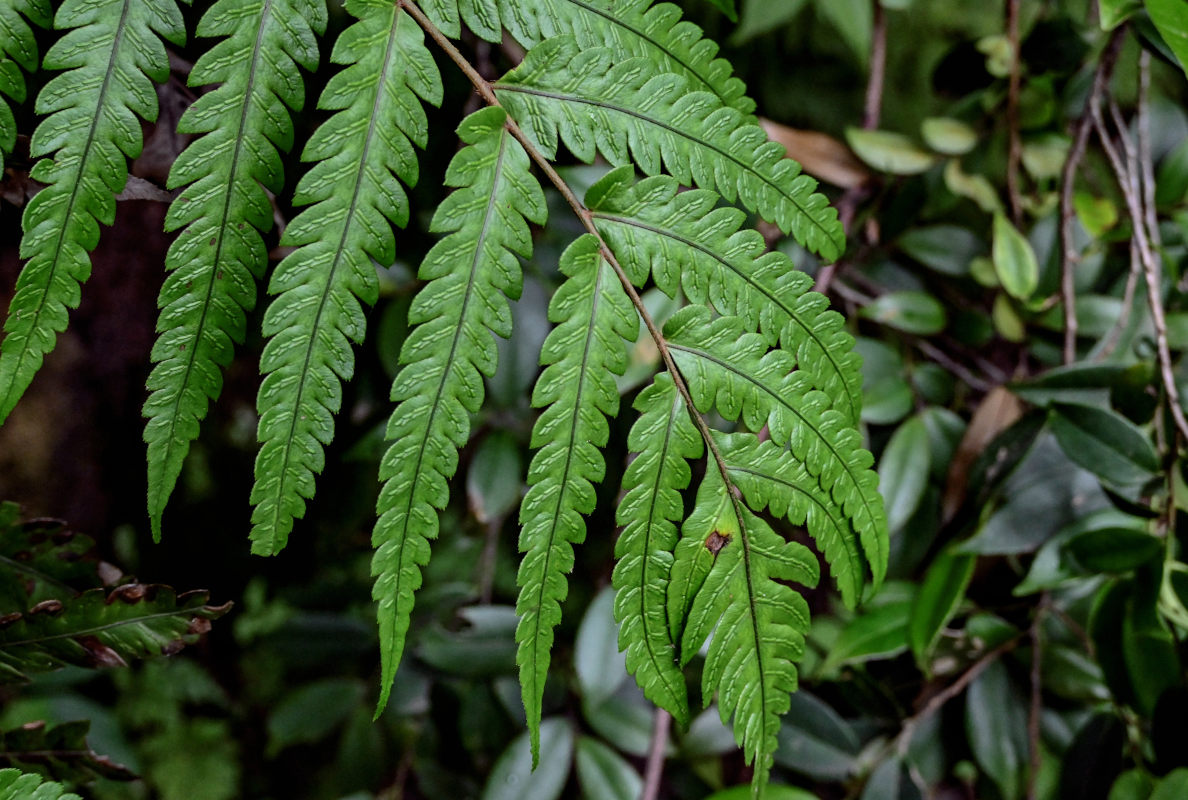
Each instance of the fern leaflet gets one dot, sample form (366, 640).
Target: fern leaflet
(758, 623)
(354, 197)
(584, 351)
(770, 477)
(630, 110)
(471, 272)
(632, 28)
(228, 171)
(732, 370)
(686, 242)
(112, 54)
(665, 439)
(18, 51)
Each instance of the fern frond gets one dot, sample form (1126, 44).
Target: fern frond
(112, 55)
(665, 439)
(582, 355)
(18, 51)
(228, 171)
(731, 370)
(630, 110)
(769, 477)
(471, 274)
(631, 28)
(687, 242)
(354, 198)
(758, 623)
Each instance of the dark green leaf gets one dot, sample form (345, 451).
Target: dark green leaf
(310, 713)
(948, 249)
(903, 472)
(911, 312)
(603, 773)
(486, 646)
(495, 476)
(816, 741)
(937, 601)
(876, 633)
(996, 723)
(1114, 549)
(1105, 443)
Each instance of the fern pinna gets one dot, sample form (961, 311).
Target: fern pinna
(630, 82)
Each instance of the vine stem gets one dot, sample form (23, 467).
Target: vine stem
(655, 765)
(1126, 172)
(483, 86)
(1015, 148)
(1068, 251)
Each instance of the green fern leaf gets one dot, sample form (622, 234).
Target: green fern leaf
(481, 17)
(731, 370)
(17, 785)
(769, 477)
(112, 54)
(354, 197)
(631, 28)
(630, 110)
(471, 272)
(758, 623)
(102, 628)
(228, 171)
(665, 439)
(577, 389)
(685, 241)
(18, 51)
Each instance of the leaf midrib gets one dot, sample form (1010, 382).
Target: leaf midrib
(857, 485)
(221, 227)
(564, 98)
(474, 264)
(75, 188)
(659, 231)
(348, 220)
(591, 327)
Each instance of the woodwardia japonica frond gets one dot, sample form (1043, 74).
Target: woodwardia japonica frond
(700, 557)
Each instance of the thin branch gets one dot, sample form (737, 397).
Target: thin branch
(904, 739)
(1146, 159)
(1035, 755)
(587, 220)
(1152, 267)
(1068, 249)
(1110, 341)
(872, 110)
(1015, 147)
(655, 764)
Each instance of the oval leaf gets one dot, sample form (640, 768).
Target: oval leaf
(513, 777)
(1014, 260)
(903, 471)
(940, 595)
(603, 773)
(889, 152)
(1114, 549)
(1105, 443)
(911, 312)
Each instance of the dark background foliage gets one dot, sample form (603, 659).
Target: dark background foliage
(1029, 644)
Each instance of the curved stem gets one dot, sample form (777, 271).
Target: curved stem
(487, 93)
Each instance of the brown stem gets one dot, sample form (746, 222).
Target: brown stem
(1146, 160)
(872, 109)
(1036, 705)
(1068, 249)
(1126, 175)
(1015, 147)
(586, 218)
(904, 739)
(655, 764)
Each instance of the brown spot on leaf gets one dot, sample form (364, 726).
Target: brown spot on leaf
(715, 542)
